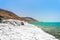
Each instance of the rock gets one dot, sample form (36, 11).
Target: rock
(25, 32)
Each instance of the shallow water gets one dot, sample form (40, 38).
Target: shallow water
(50, 27)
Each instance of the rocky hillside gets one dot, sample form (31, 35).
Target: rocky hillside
(10, 15)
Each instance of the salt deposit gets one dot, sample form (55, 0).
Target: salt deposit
(13, 30)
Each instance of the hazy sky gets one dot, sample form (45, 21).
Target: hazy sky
(42, 10)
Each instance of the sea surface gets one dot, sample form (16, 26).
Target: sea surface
(52, 28)
(48, 24)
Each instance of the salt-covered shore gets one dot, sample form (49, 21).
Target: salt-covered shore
(13, 30)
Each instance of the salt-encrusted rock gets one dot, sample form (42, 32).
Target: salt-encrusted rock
(12, 31)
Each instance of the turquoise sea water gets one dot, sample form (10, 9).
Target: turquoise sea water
(52, 28)
(48, 24)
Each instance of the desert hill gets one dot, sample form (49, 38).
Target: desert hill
(10, 15)
(30, 19)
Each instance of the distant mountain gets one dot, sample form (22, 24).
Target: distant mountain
(30, 19)
(10, 15)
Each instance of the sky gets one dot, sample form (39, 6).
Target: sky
(42, 10)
